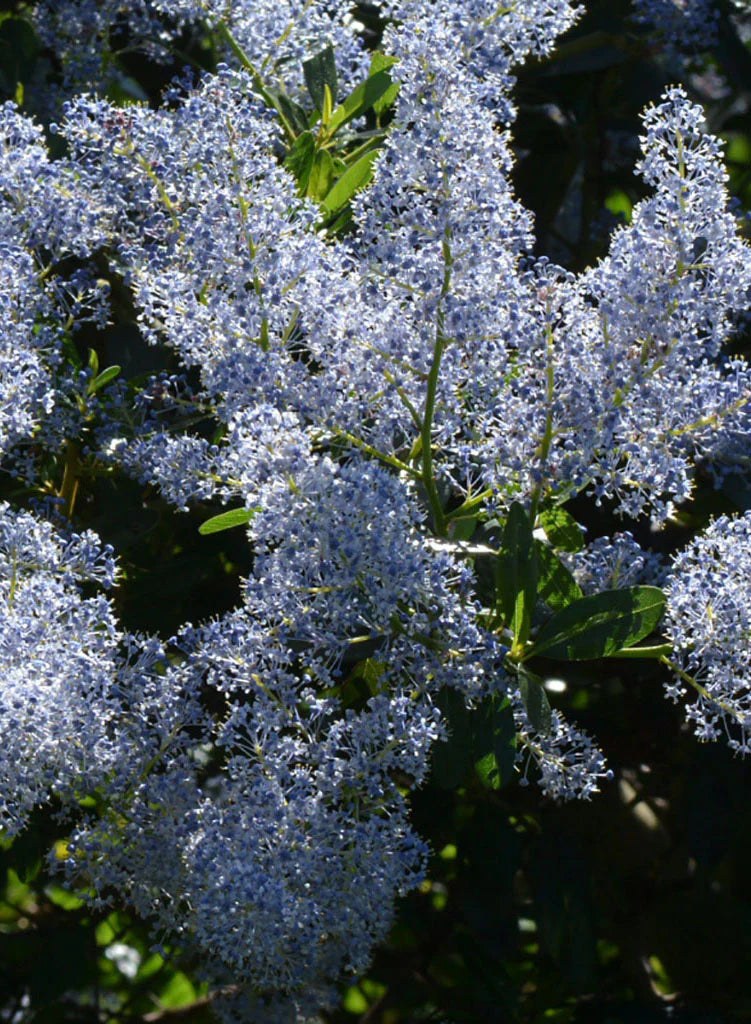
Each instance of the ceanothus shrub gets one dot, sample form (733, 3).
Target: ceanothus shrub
(396, 400)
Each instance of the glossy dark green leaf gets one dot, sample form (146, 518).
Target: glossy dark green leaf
(353, 179)
(227, 520)
(452, 758)
(124, 89)
(320, 71)
(600, 625)
(361, 99)
(494, 739)
(321, 175)
(535, 700)
(300, 159)
(292, 112)
(371, 671)
(341, 224)
(516, 573)
(104, 378)
(482, 740)
(556, 586)
(381, 62)
(18, 53)
(561, 529)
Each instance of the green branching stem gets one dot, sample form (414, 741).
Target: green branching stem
(499, 12)
(163, 194)
(286, 33)
(389, 460)
(686, 677)
(372, 143)
(244, 214)
(404, 398)
(258, 82)
(547, 438)
(469, 506)
(428, 472)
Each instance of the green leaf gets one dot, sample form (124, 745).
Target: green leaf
(561, 529)
(320, 71)
(321, 175)
(600, 625)
(556, 586)
(361, 99)
(292, 112)
(103, 378)
(62, 898)
(380, 62)
(71, 352)
(535, 700)
(353, 179)
(19, 49)
(516, 574)
(371, 671)
(483, 740)
(341, 224)
(328, 106)
(179, 991)
(452, 758)
(124, 89)
(300, 159)
(494, 731)
(227, 520)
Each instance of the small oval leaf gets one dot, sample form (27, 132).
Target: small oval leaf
(227, 520)
(103, 378)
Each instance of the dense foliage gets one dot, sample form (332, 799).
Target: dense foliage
(375, 423)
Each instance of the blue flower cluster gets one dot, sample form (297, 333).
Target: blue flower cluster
(277, 35)
(59, 697)
(685, 26)
(371, 392)
(708, 621)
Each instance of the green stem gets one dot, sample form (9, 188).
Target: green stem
(13, 581)
(428, 473)
(258, 83)
(163, 194)
(497, 13)
(701, 690)
(657, 651)
(404, 397)
(243, 205)
(390, 460)
(71, 474)
(547, 437)
(469, 505)
(286, 33)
